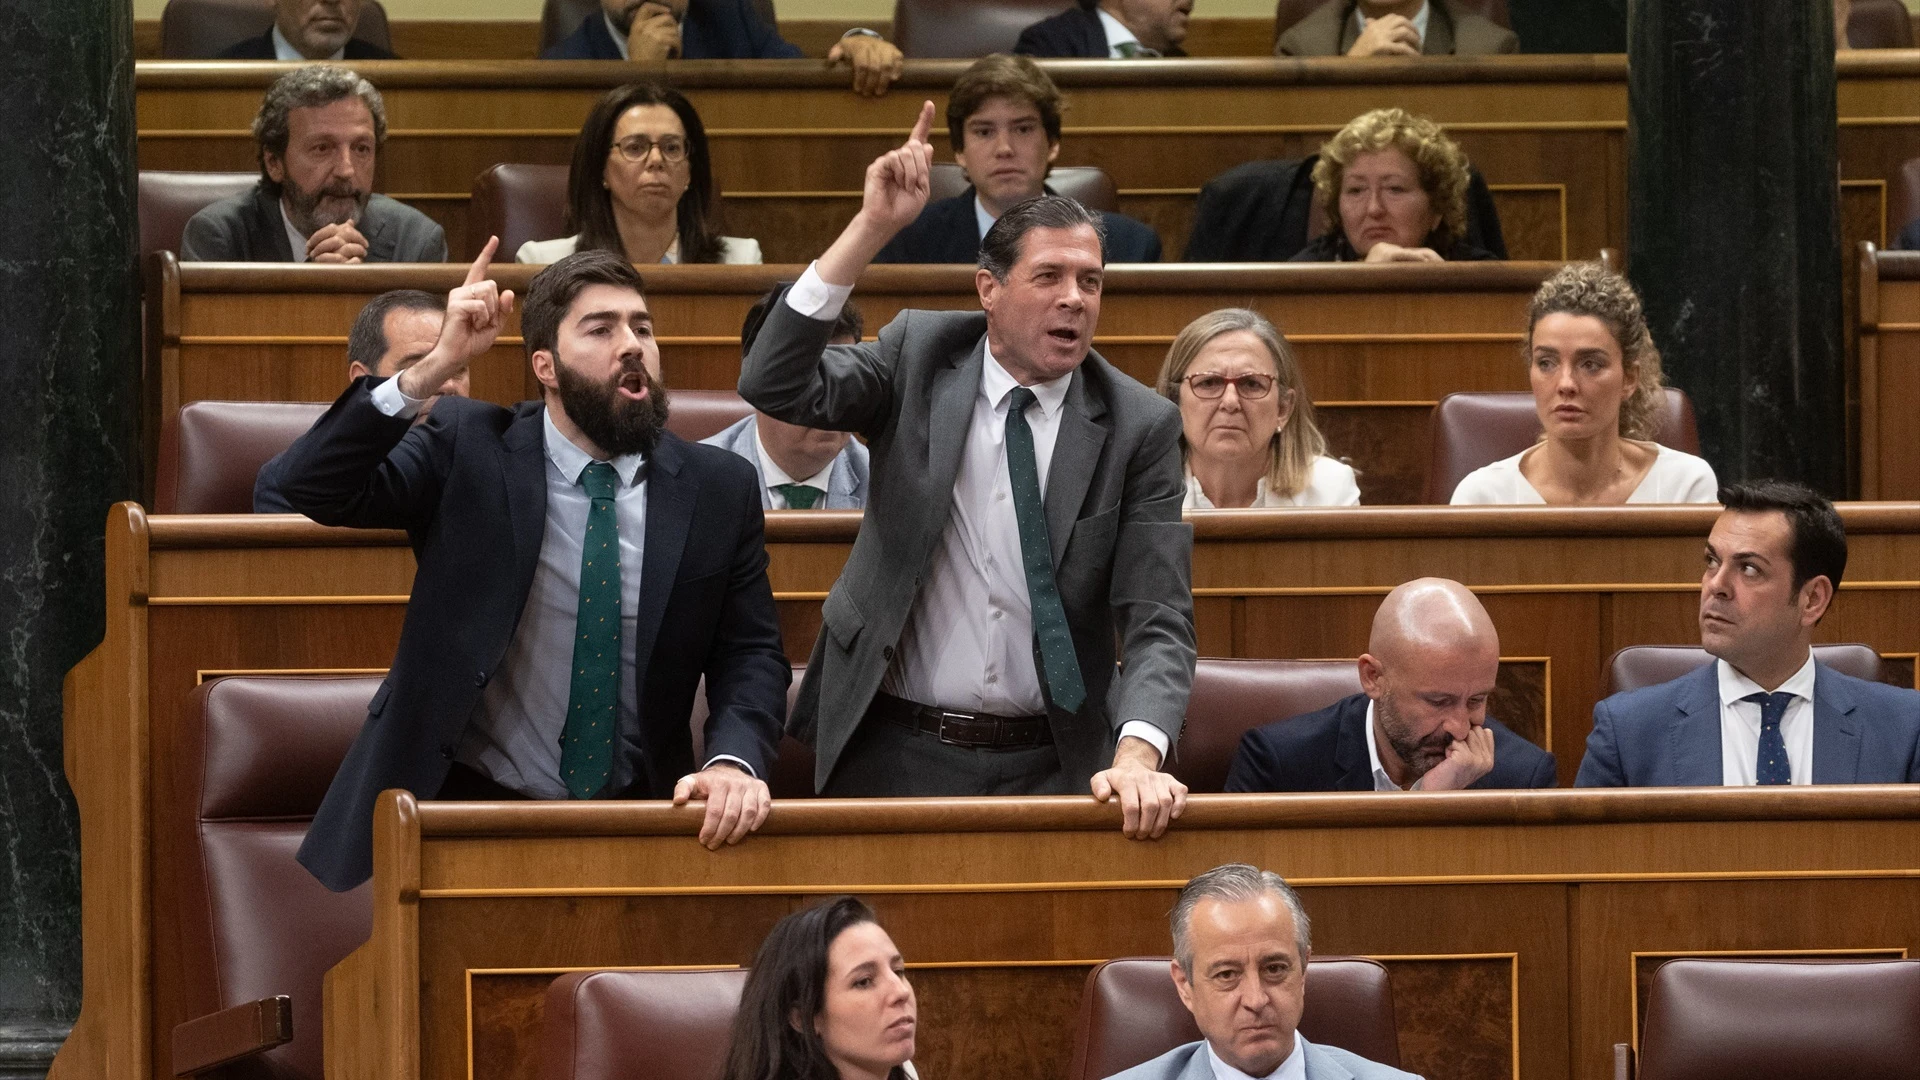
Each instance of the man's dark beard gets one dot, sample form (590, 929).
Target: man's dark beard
(616, 424)
(303, 207)
(1418, 755)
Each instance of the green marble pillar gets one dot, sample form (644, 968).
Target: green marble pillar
(69, 377)
(1733, 234)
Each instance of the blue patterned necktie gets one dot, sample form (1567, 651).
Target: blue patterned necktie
(1060, 668)
(586, 740)
(1771, 767)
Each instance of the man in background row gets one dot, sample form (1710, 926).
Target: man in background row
(310, 30)
(1110, 30)
(317, 135)
(1394, 28)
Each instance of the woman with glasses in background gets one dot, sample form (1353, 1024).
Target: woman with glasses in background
(1247, 428)
(641, 184)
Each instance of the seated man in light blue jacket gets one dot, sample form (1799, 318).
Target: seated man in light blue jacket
(800, 468)
(1241, 942)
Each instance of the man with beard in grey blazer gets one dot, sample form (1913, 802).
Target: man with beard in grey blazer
(1024, 517)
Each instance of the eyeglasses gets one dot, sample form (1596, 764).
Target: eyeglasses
(673, 148)
(1212, 384)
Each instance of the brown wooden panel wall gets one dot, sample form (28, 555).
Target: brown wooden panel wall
(1889, 373)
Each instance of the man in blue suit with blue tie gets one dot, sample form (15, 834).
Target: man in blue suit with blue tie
(1765, 711)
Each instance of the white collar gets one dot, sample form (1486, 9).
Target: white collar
(284, 50)
(1117, 33)
(572, 461)
(996, 383)
(296, 239)
(981, 217)
(1734, 685)
(1373, 753)
(619, 39)
(1420, 20)
(1294, 1068)
(772, 475)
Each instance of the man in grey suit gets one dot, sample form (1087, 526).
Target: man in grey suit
(801, 468)
(1765, 711)
(1394, 28)
(1025, 516)
(316, 135)
(1241, 942)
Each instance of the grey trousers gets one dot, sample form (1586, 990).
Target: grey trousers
(888, 760)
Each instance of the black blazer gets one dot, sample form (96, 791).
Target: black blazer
(261, 48)
(469, 486)
(947, 232)
(1257, 212)
(267, 497)
(1074, 32)
(248, 227)
(711, 30)
(1327, 751)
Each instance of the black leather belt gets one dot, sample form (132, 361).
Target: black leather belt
(977, 731)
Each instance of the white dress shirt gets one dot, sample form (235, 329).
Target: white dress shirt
(734, 250)
(1676, 477)
(514, 735)
(283, 49)
(981, 217)
(1294, 1068)
(296, 239)
(1329, 483)
(968, 642)
(1117, 35)
(1740, 725)
(1420, 20)
(772, 476)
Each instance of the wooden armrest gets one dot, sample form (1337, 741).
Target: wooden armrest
(231, 1034)
(1622, 1061)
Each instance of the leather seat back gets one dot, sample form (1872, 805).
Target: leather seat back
(252, 766)
(1130, 1012)
(203, 29)
(517, 203)
(1781, 1019)
(1879, 24)
(695, 414)
(1232, 697)
(793, 773)
(599, 1024)
(1639, 666)
(169, 199)
(1089, 184)
(966, 29)
(211, 452)
(1473, 429)
(560, 18)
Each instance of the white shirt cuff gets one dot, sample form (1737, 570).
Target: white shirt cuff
(391, 400)
(1140, 729)
(744, 767)
(813, 297)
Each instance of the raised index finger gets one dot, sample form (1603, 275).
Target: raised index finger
(478, 271)
(924, 125)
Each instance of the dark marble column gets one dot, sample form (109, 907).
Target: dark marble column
(1733, 231)
(69, 378)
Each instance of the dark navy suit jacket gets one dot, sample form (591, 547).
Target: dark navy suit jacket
(260, 47)
(1669, 735)
(469, 486)
(1327, 751)
(1076, 31)
(712, 30)
(948, 232)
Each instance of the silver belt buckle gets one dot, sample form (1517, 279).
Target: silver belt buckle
(966, 744)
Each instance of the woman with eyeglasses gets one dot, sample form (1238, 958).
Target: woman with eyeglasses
(1247, 426)
(641, 185)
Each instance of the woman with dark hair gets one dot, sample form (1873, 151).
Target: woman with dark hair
(642, 185)
(827, 999)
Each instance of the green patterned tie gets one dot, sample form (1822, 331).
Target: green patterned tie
(799, 496)
(1062, 675)
(1133, 50)
(593, 701)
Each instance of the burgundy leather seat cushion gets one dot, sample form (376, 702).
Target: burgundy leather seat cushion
(211, 451)
(695, 414)
(966, 29)
(1469, 430)
(1640, 666)
(1089, 184)
(1232, 697)
(517, 203)
(599, 1024)
(169, 199)
(203, 29)
(1784, 1020)
(1130, 1012)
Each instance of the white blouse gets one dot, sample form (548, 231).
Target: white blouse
(1676, 477)
(733, 249)
(1329, 483)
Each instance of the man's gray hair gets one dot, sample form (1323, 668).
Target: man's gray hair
(1233, 883)
(305, 88)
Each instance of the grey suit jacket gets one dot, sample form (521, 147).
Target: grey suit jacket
(846, 484)
(1329, 31)
(1669, 735)
(1189, 1062)
(1122, 557)
(248, 228)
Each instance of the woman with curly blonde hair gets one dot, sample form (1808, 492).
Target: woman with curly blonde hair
(1395, 190)
(1598, 389)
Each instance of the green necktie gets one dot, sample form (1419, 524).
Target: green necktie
(593, 701)
(1133, 50)
(1061, 672)
(799, 496)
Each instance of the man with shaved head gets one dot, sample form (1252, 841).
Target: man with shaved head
(1421, 722)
